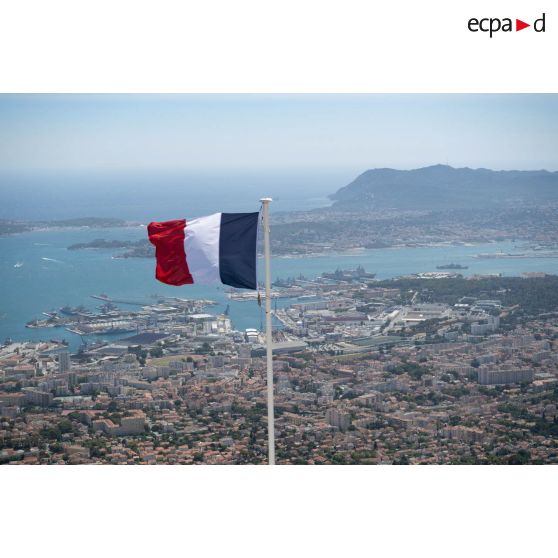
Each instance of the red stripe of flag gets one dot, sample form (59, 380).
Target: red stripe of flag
(168, 239)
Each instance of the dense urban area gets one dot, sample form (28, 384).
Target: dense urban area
(338, 230)
(428, 368)
(431, 368)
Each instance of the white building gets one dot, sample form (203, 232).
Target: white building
(64, 362)
(487, 376)
(339, 419)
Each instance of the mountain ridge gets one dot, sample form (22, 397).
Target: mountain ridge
(444, 187)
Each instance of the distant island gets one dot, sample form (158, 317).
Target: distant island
(141, 248)
(101, 243)
(8, 226)
(93, 222)
(12, 227)
(452, 266)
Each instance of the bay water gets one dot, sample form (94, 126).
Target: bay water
(39, 274)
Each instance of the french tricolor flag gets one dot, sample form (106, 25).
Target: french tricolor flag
(219, 248)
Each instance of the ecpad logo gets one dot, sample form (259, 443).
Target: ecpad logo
(493, 25)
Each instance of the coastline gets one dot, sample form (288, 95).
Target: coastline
(41, 285)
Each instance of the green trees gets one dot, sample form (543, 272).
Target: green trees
(414, 370)
(522, 457)
(534, 295)
(65, 426)
(139, 352)
(205, 349)
(156, 352)
(338, 459)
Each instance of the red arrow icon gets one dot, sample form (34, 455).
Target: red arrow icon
(519, 25)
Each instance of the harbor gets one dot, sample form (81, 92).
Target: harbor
(40, 288)
(109, 319)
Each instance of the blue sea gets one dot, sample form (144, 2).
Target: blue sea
(53, 276)
(151, 196)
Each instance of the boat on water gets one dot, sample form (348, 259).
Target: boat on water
(36, 324)
(496, 255)
(357, 274)
(18, 264)
(94, 330)
(105, 298)
(69, 311)
(108, 308)
(52, 315)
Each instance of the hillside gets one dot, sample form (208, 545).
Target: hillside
(442, 187)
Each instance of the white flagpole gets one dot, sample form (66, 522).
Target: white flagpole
(270, 408)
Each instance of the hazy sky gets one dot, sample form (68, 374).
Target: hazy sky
(360, 131)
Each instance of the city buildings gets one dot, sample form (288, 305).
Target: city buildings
(63, 362)
(371, 373)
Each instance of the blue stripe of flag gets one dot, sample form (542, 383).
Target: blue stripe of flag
(238, 249)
